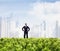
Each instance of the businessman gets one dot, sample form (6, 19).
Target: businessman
(26, 29)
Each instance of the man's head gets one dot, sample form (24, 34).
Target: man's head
(25, 24)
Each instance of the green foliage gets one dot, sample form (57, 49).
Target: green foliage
(30, 44)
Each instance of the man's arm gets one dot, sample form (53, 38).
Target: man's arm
(28, 29)
(22, 28)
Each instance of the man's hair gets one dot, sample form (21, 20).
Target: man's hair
(25, 23)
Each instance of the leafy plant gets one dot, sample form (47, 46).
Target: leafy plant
(30, 44)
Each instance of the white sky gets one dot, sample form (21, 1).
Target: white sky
(33, 13)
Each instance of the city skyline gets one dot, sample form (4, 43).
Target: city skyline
(11, 29)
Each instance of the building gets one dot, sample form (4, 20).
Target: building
(0, 25)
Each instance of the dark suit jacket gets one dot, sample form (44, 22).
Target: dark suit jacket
(25, 29)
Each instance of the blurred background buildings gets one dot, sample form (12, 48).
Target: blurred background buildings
(10, 28)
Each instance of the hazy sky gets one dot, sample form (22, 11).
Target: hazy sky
(31, 11)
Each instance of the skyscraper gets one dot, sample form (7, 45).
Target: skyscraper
(4, 27)
(56, 30)
(44, 28)
(0, 25)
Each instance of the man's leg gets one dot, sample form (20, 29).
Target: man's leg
(24, 35)
(27, 35)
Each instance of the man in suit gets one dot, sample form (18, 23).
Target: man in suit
(25, 29)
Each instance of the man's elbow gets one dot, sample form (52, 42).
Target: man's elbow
(29, 29)
(22, 29)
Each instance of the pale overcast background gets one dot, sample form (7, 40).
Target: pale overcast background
(32, 12)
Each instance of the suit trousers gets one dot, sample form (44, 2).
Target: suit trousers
(25, 35)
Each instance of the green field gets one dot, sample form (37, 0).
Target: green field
(31, 44)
